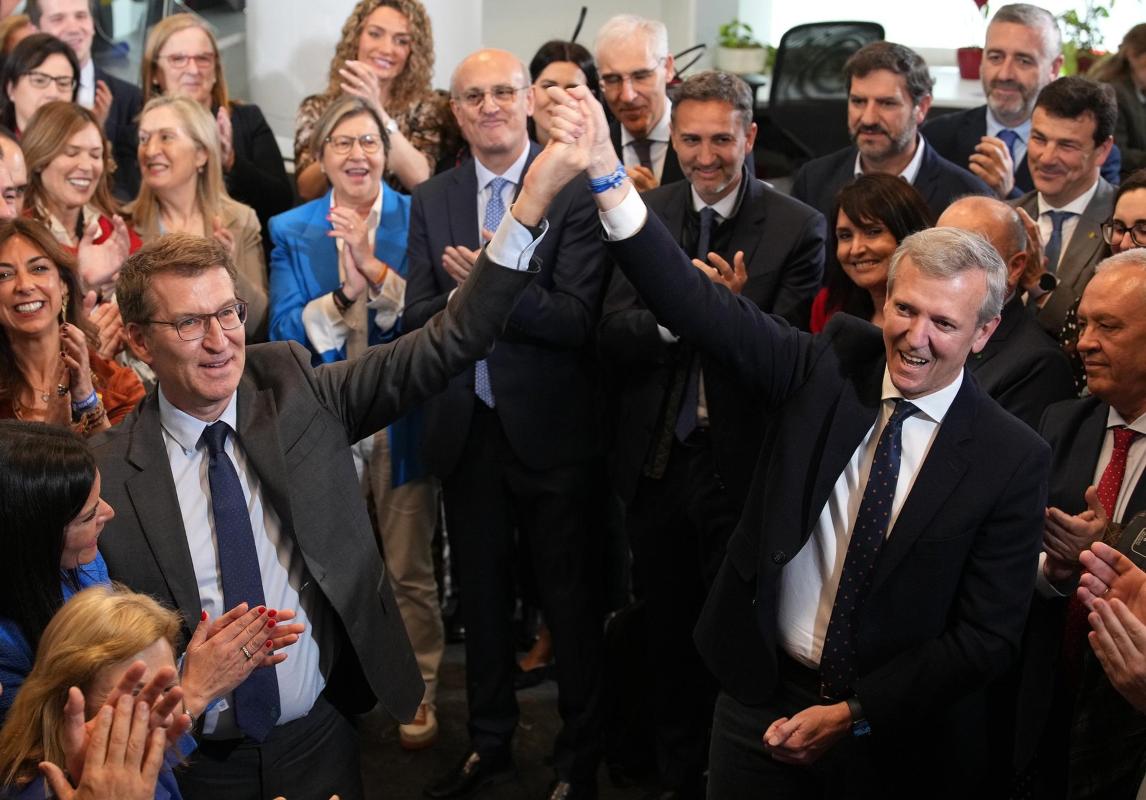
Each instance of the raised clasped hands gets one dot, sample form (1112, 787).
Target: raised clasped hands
(804, 737)
(731, 276)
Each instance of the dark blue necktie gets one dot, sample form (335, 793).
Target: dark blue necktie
(256, 700)
(686, 418)
(838, 661)
(1054, 244)
(1009, 138)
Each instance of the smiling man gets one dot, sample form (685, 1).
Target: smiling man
(889, 95)
(514, 440)
(116, 102)
(1071, 137)
(682, 463)
(879, 575)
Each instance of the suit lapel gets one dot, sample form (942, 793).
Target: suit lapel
(1010, 319)
(322, 249)
(461, 198)
(748, 223)
(1078, 471)
(940, 473)
(152, 494)
(1086, 242)
(257, 418)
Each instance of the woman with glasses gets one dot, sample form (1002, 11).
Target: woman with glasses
(386, 58)
(338, 285)
(39, 70)
(51, 370)
(1126, 228)
(182, 57)
(183, 192)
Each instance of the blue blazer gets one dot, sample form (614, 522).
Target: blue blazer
(304, 265)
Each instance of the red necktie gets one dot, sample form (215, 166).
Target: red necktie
(1110, 484)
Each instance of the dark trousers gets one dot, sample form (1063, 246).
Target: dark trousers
(488, 498)
(678, 527)
(310, 758)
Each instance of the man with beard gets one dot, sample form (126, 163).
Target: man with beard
(889, 94)
(1023, 54)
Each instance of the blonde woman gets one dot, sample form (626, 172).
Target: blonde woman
(182, 57)
(183, 192)
(386, 58)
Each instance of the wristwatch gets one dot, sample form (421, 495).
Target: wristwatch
(1046, 283)
(860, 725)
(391, 126)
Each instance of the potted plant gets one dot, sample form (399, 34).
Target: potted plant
(970, 59)
(737, 51)
(1082, 39)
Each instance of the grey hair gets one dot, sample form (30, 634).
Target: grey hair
(454, 75)
(1031, 16)
(622, 29)
(1130, 258)
(948, 252)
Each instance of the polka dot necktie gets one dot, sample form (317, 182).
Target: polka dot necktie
(838, 661)
(494, 211)
(255, 700)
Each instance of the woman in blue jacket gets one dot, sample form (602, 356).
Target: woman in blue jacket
(338, 286)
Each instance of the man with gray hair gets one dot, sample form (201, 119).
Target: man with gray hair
(889, 95)
(636, 66)
(879, 576)
(1086, 740)
(1020, 366)
(683, 457)
(514, 440)
(1022, 54)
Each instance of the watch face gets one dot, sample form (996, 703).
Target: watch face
(1047, 282)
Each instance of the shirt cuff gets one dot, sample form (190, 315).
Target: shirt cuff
(667, 336)
(626, 218)
(513, 243)
(388, 300)
(324, 325)
(1043, 585)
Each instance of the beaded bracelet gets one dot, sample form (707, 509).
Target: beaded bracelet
(607, 182)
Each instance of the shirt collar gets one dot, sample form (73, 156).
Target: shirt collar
(660, 132)
(1077, 205)
(185, 429)
(1113, 418)
(911, 171)
(935, 405)
(513, 174)
(726, 206)
(375, 209)
(994, 126)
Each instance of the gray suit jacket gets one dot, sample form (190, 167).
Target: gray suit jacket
(1076, 265)
(296, 423)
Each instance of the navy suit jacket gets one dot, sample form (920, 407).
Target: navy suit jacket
(1021, 367)
(783, 244)
(258, 177)
(939, 181)
(955, 135)
(122, 130)
(543, 370)
(949, 595)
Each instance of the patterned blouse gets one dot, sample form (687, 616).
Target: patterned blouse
(427, 124)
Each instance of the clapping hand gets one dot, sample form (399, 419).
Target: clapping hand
(992, 162)
(103, 101)
(99, 263)
(1109, 574)
(226, 138)
(1066, 536)
(1119, 641)
(733, 277)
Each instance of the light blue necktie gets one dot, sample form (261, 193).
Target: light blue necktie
(1054, 244)
(1010, 138)
(494, 211)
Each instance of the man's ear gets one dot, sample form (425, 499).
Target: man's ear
(137, 338)
(983, 335)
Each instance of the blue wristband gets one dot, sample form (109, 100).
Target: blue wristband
(610, 181)
(84, 405)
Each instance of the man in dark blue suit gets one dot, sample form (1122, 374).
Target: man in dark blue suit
(682, 464)
(1023, 54)
(889, 94)
(877, 689)
(514, 439)
(115, 102)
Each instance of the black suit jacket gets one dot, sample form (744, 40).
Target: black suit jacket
(672, 171)
(258, 177)
(955, 136)
(543, 370)
(939, 181)
(1021, 367)
(122, 130)
(949, 594)
(296, 423)
(783, 244)
(1076, 264)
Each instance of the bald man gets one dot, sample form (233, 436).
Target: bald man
(1020, 366)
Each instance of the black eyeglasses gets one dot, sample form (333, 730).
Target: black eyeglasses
(194, 326)
(1113, 231)
(41, 80)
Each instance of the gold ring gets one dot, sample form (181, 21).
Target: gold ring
(246, 652)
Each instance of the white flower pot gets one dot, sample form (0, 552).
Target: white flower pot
(741, 60)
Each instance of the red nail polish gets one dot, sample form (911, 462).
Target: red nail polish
(272, 613)
(269, 644)
(262, 609)
(203, 615)
(270, 623)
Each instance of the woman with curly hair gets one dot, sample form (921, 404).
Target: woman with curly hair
(385, 57)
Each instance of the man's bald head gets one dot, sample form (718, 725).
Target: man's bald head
(996, 222)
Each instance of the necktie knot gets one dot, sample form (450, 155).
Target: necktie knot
(903, 409)
(497, 184)
(215, 436)
(1124, 437)
(1058, 218)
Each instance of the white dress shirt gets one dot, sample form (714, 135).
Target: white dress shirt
(658, 140)
(1070, 224)
(85, 96)
(808, 583)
